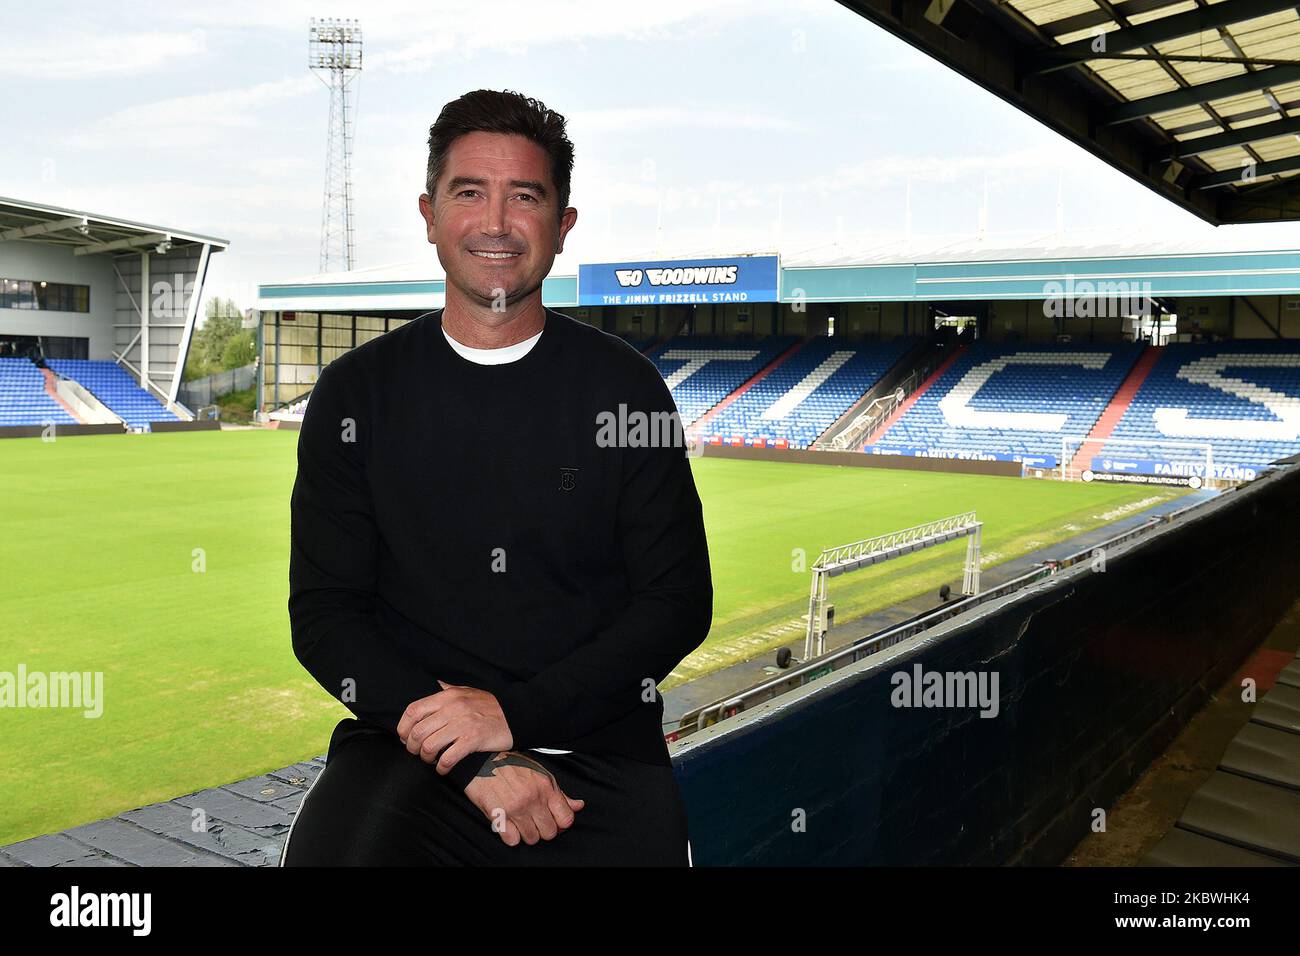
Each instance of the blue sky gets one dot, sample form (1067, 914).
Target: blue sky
(702, 115)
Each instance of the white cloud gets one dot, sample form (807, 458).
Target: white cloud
(414, 127)
(890, 171)
(712, 116)
(75, 55)
(464, 28)
(196, 120)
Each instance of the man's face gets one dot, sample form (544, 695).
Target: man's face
(495, 196)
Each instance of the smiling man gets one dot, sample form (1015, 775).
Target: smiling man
(490, 587)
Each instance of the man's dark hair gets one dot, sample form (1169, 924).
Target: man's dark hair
(502, 112)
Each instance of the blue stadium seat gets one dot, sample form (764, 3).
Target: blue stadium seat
(114, 386)
(23, 399)
(808, 392)
(1242, 398)
(703, 370)
(1014, 401)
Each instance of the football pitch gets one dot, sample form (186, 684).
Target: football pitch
(161, 561)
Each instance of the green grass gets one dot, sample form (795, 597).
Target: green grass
(237, 407)
(758, 514)
(97, 553)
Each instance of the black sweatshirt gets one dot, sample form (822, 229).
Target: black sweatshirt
(471, 523)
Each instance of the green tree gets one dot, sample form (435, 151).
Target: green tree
(208, 348)
(239, 349)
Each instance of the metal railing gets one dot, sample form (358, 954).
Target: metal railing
(871, 416)
(809, 670)
(162, 396)
(130, 367)
(848, 553)
(206, 390)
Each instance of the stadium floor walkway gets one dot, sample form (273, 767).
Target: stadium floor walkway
(1226, 791)
(247, 823)
(248, 820)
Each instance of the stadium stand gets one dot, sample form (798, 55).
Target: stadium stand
(1012, 402)
(703, 370)
(115, 387)
(23, 399)
(806, 393)
(293, 412)
(640, 343)
(1241, 397)
(1114, 412)
(906, 405)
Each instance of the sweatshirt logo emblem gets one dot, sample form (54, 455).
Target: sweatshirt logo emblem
(568, 479)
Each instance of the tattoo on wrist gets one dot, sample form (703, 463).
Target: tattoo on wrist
(510, 758)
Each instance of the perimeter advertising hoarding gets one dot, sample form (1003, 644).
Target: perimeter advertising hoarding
(965, 454)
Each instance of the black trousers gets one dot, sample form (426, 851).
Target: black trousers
(375, 804)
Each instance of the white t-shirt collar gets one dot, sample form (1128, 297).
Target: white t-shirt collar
(507, 353)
